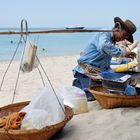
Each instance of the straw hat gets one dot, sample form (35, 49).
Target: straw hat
(128, 26)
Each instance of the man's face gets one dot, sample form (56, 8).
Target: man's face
(121, 35)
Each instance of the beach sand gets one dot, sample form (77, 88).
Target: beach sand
(97, 124)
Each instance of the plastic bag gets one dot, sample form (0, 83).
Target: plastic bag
(29, 59)
(130, 90)
(76, 99)
(43, 110)
(37, 122)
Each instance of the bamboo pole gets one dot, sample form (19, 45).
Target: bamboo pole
(56, 31)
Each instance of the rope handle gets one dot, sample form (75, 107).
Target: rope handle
(20, 40)
(25, 40)
(7, 122)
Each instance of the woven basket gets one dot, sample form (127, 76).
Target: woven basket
(42, 134)
(108, 100)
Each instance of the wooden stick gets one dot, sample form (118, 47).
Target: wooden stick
(56, 31)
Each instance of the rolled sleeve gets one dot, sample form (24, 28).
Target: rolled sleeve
(107, 46)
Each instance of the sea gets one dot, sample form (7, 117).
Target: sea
(52, 44)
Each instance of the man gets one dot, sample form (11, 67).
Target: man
(99, 52)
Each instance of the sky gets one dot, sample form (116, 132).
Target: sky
(64, 13)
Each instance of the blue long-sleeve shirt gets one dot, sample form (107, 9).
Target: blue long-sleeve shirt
(99, 52)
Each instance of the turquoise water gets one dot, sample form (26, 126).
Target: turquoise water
(48, 44)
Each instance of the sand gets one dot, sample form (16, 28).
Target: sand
(97, 124)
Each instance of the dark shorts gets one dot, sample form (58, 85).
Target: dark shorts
(84, 82)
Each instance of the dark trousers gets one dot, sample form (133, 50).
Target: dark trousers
(84, 82)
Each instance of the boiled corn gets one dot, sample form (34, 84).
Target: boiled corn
(126, 67)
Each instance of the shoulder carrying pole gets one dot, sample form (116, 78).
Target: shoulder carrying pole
(58, 31)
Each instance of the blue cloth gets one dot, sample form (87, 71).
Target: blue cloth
(129, 90)
(99, 52)
(114, 76)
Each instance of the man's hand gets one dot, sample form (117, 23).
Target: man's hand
(130, 55)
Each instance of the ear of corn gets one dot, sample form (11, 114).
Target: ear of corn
(126, 67)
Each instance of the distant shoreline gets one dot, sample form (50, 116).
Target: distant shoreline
(44, 57)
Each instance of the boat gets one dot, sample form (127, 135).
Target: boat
(75, 27)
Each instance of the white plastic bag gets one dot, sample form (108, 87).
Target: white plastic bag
(35, 119)
(29, 59)
(76, 99)
(43, 110)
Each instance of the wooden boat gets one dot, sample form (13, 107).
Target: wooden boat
(76, 27)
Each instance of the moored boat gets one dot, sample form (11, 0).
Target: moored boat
(76, 27)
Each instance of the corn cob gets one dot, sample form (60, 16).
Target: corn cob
(126, 67)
